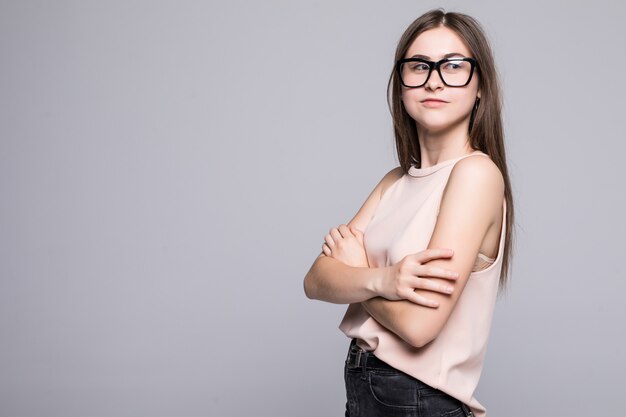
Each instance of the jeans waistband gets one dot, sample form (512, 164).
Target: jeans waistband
(359, 358)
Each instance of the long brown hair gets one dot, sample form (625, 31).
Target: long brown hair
(485, 129)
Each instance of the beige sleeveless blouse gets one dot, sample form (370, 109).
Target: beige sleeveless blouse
(402, 224)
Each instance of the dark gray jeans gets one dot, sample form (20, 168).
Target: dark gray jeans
(376, 389)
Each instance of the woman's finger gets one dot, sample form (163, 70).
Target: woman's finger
(418, 299)
(329, 241)
(429, 285)
(436, 272)
(335, 234)
(326, 250)
(355, 231)
(430, 254)
(345, 231)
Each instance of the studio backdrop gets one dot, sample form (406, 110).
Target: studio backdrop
(168, 171)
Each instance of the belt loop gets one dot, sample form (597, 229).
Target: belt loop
(348, 356)
(468, 411)
(354, 355)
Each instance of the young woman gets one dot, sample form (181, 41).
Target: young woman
(419, 315)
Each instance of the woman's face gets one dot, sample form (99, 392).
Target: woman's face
(434, 44)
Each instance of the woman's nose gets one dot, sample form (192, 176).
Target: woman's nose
(434, 81)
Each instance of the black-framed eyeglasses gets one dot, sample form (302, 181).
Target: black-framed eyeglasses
(454, 72)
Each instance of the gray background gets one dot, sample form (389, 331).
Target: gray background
(168, 171)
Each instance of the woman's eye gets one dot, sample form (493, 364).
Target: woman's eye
(455, 66)
(419, 67)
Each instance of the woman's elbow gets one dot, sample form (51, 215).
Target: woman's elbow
(419, 337)
(309, 287)
(418, 342)
(414, 340)
(310, 284)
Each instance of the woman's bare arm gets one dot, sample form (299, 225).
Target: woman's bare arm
(341, 274)
(331, 280)
(471, 201)
(335, 282)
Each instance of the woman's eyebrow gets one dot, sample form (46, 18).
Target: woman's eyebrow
(444, 57)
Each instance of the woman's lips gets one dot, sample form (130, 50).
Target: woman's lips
(433, 103)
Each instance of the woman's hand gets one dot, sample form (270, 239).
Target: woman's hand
(346, 245)
(409, 274)
(400, 280)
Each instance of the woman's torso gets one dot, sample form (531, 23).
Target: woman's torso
(403, 223)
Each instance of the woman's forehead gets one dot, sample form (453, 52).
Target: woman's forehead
(436, 43)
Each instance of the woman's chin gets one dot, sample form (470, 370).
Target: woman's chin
(434, 125)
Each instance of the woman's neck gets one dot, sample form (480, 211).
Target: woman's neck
(436, 147)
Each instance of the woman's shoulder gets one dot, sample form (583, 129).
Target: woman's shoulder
(391, 177)
(478, 169)
(476, 180)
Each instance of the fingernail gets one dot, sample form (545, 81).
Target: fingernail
(449, 290)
